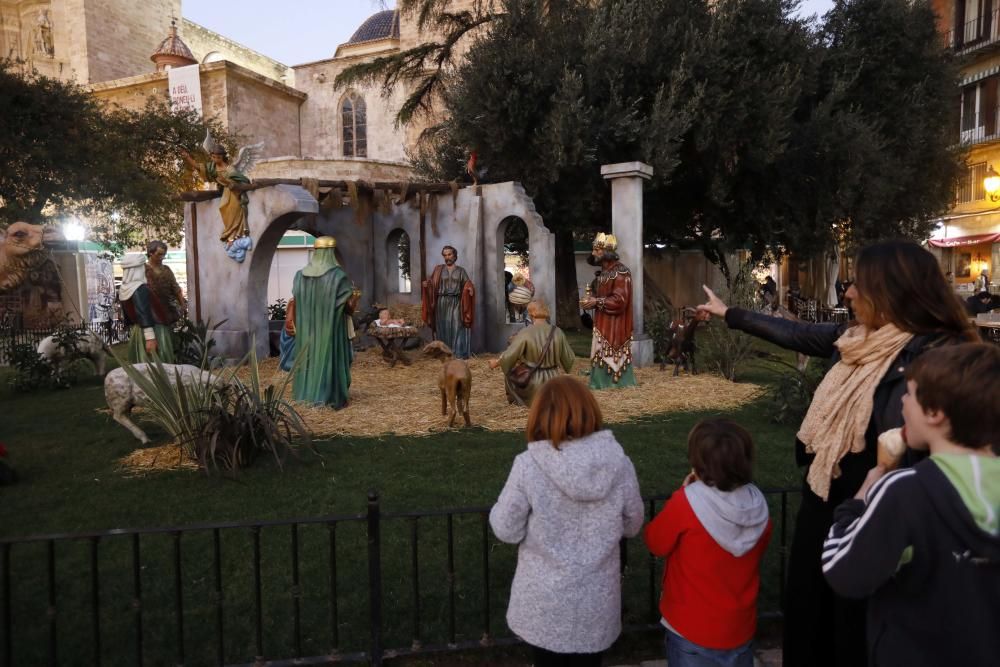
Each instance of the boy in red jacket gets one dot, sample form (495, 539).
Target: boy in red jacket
(712, 532)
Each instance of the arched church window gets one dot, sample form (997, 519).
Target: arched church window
(398, 260)
(354, 121)
(518, 288)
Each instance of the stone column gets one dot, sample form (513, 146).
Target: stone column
(626, 224)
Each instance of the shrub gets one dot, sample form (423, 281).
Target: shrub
(33, 372)
(277, 310)
(193, 343)
(225, 424)
(730, 349)
(791, 395)
(250, 419)
(658, 328)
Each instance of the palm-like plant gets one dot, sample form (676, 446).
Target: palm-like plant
(223, 422)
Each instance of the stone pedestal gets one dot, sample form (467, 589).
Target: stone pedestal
(626, 224)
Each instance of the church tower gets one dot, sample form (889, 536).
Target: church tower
(88, 41)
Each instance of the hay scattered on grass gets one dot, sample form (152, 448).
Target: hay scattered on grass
(156, 459)
(405, 400)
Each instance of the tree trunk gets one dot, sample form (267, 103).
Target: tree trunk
(567, 295)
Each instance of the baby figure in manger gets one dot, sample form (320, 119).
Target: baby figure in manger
(385, 319)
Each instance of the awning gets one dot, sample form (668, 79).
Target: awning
(958, 241)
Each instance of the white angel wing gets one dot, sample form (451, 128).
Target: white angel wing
(209, 142)
(248, 157)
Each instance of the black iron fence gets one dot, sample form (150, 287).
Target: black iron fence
(111, 332)
(335, 589)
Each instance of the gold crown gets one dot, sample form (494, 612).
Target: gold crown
(325, 242)
(605, 241)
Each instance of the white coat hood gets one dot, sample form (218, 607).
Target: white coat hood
(735, 519)
(584, 469)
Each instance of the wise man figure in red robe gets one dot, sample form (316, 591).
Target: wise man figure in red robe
(449, 304)
(611, 347)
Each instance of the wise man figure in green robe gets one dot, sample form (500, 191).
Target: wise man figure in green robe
(325, 298)
(148, 316)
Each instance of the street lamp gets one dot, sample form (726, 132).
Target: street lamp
(992, 184)
(73, 230)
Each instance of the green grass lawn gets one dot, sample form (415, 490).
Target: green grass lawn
(66, 453)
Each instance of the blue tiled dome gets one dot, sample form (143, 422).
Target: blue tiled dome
(384, 24)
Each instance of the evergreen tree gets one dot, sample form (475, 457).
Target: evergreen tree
(886, 128)
(764, 133)
(66, 153)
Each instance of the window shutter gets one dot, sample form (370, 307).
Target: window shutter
(959, 23)
(988, 105)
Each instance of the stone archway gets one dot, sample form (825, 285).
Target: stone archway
(223, 289)
(229, 295)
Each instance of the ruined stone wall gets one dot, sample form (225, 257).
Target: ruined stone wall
(348, 169)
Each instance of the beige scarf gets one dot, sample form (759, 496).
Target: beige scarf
(842, 405)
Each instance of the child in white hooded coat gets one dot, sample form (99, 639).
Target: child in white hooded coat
(567, 503)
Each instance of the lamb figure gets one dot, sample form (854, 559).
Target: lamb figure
(88, 346)
(123, 394)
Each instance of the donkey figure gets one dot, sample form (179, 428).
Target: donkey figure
(682, 347)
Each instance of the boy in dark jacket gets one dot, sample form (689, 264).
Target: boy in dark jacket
(924, 542)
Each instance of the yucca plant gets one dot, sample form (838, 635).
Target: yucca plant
(251, 418)
(223, 423)
(181, 410)
(193, 342)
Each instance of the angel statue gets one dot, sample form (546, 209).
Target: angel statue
(233, 207)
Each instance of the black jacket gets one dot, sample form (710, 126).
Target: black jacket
(817, 340)
(932, 573)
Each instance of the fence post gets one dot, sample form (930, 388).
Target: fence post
(375, 577)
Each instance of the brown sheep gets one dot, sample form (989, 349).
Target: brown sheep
(455, 382)
(20, 251)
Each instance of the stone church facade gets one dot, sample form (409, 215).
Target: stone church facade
(309, 128)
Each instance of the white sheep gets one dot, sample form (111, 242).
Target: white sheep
(122, 394)
(88, 346)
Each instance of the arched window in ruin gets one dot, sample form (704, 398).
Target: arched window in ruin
(398, 261)
(354, 126)
(517, 286)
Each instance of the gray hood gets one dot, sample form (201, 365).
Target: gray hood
(735, 519)
(584, 469)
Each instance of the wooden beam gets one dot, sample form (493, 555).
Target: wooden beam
(396, 186)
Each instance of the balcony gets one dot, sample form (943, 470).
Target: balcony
(980, 128)
(980, 34)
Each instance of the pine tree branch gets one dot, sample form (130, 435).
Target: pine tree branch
(426, 63)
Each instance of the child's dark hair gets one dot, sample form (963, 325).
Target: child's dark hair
(721, 453)
(963, 382)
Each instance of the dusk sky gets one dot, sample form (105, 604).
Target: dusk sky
(308, 30)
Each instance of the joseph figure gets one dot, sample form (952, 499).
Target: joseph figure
(611, 346)
(449, 304)
(324, 300)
